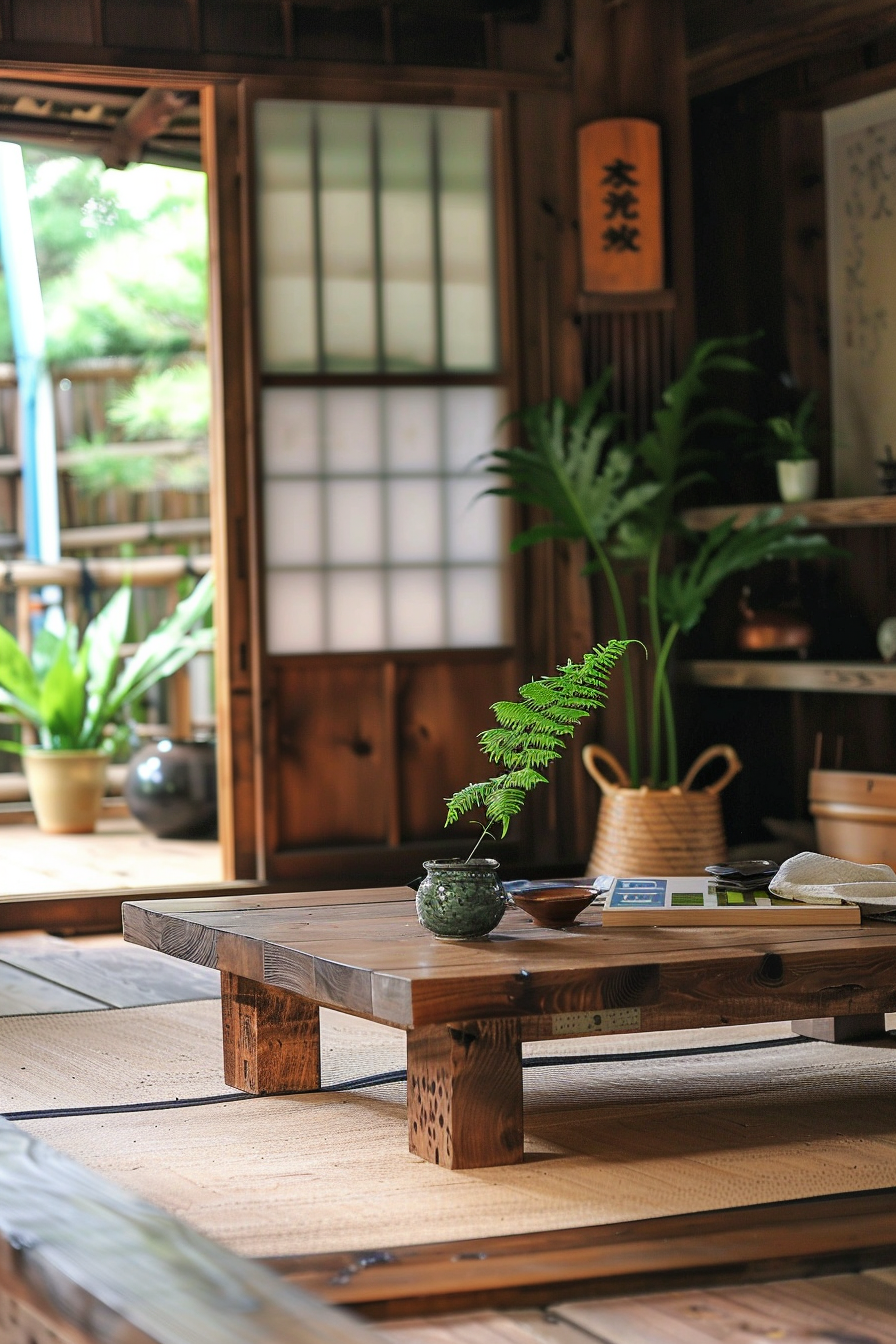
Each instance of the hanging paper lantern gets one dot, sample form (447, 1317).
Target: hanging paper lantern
(621, 206)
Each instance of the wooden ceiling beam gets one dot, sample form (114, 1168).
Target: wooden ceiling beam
(797, 35)
(150, 115)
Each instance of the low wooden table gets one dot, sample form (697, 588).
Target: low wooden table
(466, 1007)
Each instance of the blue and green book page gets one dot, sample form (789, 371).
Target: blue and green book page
(682, 893)
(702, 900)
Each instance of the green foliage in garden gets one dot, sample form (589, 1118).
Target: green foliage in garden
(71, 691)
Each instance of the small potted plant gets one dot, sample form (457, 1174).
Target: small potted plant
(795, 463)
(463, 898)
(73, 692)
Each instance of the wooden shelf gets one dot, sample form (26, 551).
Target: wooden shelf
(864, 511)
(745, 674)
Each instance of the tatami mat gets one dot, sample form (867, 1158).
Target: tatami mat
(60, 1061)
(605, 1142)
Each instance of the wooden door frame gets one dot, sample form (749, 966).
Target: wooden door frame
(230, 482)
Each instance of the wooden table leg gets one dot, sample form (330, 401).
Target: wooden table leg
(465, 1093)
(271, 1038)
(840, 1030)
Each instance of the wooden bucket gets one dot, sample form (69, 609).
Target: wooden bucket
(658, 832)
(855, 814)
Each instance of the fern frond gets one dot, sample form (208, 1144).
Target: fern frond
(533, 731)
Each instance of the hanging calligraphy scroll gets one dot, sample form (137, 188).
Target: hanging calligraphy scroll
(620, 206)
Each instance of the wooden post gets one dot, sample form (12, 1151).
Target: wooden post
(271, 1038)
(841, 1030)
(179, 717)
(465, 1093)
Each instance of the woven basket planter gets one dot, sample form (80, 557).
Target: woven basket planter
(658, 832)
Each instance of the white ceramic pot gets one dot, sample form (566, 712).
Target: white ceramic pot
(797, 481)
(66, 788)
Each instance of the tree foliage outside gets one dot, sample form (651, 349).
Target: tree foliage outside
(122, 257)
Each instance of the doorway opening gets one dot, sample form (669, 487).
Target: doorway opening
(117, 201)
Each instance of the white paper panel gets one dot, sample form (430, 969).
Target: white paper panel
(285, 233)
(295, 612)
(474, 521)
(407, 238)
(409, 324)
(288, 324)
(357, 610)
(352, 430)
(413, 429)
(346, 225)
(414, 520)
(474, 607)
(292, 523)
(471, 420)
(416, 609)
(283, 144)
(467, 246)
(354, 522)
(290, 431)
(430, 163)
(286, 237)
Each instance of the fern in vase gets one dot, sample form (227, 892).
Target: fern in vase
(533, 731)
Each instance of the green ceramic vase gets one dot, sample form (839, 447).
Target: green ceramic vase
(461, 898)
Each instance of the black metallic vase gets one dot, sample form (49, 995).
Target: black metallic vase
(172, 789)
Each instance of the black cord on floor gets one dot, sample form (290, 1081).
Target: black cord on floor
(398, 1076)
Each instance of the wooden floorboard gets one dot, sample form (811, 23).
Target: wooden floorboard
(22, 994)
(114, 1267)
(119, 854)
(121, 975)
(766, 1241)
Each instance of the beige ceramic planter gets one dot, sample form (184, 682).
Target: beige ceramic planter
(66, 788)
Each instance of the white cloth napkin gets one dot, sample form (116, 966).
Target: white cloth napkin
(817, 879)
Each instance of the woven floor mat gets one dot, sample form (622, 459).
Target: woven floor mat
(140, 1055)
(606, 1142)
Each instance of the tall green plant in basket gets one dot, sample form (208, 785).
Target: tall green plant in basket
(577, 465)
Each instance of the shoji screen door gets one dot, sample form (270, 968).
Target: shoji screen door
(381, 380)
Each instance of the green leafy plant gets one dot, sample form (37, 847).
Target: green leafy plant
(572, 469)
(793, 436)
(72, 691)
(172, 403)
(622, 499)
(533, 731)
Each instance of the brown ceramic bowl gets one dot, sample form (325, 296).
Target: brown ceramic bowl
(556, 907)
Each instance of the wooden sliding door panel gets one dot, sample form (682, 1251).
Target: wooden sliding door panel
(442, 708)
(380, 374)
(330, 754)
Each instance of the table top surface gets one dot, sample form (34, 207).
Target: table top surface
(364, 951)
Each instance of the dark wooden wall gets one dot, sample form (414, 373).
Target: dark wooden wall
(257, 36)
(759, 239)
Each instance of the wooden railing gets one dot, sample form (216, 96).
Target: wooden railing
(82, 393)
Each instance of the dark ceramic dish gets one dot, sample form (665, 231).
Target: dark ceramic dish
(555, 908)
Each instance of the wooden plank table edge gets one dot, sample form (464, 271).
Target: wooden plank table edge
(85, 1254)
(823, 1234)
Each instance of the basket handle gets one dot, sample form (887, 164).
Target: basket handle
(734, 767)
(606, 786)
